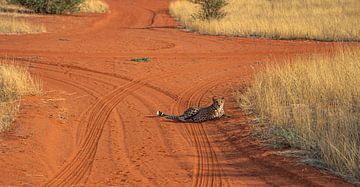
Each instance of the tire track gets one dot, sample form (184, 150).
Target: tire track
(91, 90)
(104, 40)
(80, 165)
(198, 97)
(150, 109)
(75, 172)
(207, 170)
(99, 115)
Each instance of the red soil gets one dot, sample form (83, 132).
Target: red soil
(95, 123)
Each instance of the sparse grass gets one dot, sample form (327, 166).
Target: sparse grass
(312, 104)
(141, 59)
(8, 110)
(15, 82)
(94, 6)
(326, 20)
(11, 25)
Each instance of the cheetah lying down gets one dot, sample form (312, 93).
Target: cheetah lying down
(196, 114)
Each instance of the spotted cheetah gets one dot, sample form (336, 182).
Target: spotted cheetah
(196, 114)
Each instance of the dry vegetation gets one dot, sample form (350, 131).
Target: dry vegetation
(7, 6)
(12, 25)
(312, 104)
(15, 82)
(94, 6)
(12, 21)
(327, 20)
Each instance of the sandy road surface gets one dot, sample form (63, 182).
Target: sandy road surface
(95, 124)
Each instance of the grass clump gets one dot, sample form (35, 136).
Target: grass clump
(11, 25)
(141, 59)
(15, 82)
(94, 6)
(325, 20)
(312, 104)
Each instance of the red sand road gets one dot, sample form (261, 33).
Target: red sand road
(95, 123)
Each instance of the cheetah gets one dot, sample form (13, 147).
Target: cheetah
(197, 114)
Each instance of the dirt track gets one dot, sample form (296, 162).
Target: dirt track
(95, 124)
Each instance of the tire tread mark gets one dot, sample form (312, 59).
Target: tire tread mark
(81, 163)
(207, 170)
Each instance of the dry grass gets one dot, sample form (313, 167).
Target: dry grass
(11, 21)
(94, 6)
(327, 20)
(15, 82)
(312, 104)
(12, 25)
(6, 6)
(89, 6)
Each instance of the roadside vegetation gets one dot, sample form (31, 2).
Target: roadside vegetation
(12, 20)
(60, 7)
(13, 13)
(94, 6)
(10, 7)
(49, 6)
(311, 104)
(210, 9)
(11, 25)
(15, 82)
(325, 20)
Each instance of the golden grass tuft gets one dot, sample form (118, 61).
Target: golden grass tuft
(11, 25)
(94, 6)
(312, 104)
(15, 82)
(326, 20)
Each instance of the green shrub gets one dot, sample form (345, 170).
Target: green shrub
(51, 6)
(210, 9)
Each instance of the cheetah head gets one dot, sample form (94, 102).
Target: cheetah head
(219, 101)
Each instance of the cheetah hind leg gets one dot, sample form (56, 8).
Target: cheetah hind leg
(190, 112)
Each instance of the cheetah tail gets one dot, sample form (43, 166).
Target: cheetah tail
(167, 116)
(159, 113)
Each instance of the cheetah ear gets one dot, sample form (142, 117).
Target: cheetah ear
(214, 98)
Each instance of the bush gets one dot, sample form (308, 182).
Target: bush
(210, 9)
(51, 6)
